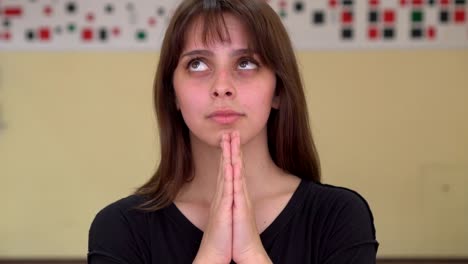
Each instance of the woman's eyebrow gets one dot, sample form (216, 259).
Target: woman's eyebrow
(206, 53)
(209, 53)
(242, 52)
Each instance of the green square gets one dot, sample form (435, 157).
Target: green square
(417, 16)
(71, 27)
(140, 35)
(283, 13)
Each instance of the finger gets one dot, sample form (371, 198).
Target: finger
(244, 187)
(240, 182)
(226, 147)
(235, 148)
(237, 164)
(242, 174)
(237, 185)
(227, 171)
(220, 181)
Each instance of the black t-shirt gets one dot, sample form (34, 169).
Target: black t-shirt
(320, 224)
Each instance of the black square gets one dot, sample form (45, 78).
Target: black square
(318, 17)
(347, 2)
(103, 34)
(460, 2)
(444, 16)
(6, 23)
(161, 11)
(299, 6)
(347, 33)
(29, 35)
(416, 33)
(388, 33)
(71, 7)
(109, 8)
(373, 16)
(431, 2)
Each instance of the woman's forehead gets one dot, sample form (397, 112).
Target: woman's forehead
(208, 33)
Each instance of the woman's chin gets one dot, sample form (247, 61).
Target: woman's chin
(212, 140)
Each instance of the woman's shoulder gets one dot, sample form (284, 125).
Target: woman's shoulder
(122, 208)
(116, 214)
(327, 194)
(123, 205)
(342, 208)
(115, 227)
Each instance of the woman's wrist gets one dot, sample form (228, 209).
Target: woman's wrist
(206, 259)
(260, 258)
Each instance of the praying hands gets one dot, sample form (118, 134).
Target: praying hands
(231, 232)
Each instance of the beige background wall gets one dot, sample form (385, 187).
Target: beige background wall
(392, 125)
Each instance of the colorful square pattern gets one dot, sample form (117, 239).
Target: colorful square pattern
(140, 24)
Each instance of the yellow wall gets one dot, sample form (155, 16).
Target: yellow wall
(392, 125)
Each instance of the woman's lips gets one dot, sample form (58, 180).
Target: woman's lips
(225, 116)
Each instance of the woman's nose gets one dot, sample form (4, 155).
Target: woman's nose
(218, 94)
(223, 85)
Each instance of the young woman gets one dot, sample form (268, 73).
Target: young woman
(239, 177)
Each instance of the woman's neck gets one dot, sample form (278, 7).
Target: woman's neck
(259, 169)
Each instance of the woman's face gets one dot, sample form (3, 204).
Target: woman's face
(221, 86)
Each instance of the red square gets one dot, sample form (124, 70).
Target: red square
(431, 32)
(47, 10)
(152, 21)
(116, 31)
(459, 16)
(373, 2)
(417, 2)
(12, 11)
(444, 2)
(87, 34)
(389, 16)
(332, 3)
(346, 17)
(6, 35)
(402, 2)
(373, 33)
(90, 17)
(44, 33)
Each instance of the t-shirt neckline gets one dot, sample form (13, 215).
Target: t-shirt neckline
(269, 233)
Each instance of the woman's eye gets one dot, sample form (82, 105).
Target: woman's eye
(197, 65)
(247, 65)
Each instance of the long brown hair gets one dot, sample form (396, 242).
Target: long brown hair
(289, 137)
